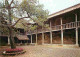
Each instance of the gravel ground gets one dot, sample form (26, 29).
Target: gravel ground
(44, 51)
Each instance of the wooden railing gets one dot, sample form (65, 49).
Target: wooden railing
(78, 23)
(70, 25)
(58, 27)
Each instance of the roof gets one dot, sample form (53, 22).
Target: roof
(65, 11)
(22, 37)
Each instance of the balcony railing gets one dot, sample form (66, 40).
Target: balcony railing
(78, 23)
(58, 27)
(70, 25)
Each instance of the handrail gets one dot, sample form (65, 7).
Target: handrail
(69, 25)
(58, 27)
(78, 23)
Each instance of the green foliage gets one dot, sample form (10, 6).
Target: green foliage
(35, 10)
(26, 7)
(33, 27)
(4, 30)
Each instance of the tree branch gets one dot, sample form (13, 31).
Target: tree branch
(23, 18)
(23, 24)
(19, 20)
(14, 7)
(11, 2)
(30, 17)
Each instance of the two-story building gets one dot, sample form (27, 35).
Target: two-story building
(64, 28)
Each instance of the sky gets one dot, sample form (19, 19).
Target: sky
(54, 6)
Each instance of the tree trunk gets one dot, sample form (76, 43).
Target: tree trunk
(10, 30)
(11, 39)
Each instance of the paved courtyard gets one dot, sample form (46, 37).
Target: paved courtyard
(45, 51)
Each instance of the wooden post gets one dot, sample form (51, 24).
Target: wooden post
(76, 29)
(8, 41)
(50, 33)
(61, 33)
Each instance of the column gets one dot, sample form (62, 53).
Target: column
(61, 33)
(0, 34)
(31, 38)
(0, 39)
(76, 29)
(51, 37)
(50, 33)
(8, 41)
(36, 38)
(42, 35)
(42, 38)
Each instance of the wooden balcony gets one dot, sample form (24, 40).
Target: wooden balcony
(70, 25)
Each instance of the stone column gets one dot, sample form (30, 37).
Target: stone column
(8, 41)
(0, 33)
(42, 37)
(61, 33)
(0, 39)
(31, 38)
(36, 38)
(51, 36)
(50, 33)
(76, 29)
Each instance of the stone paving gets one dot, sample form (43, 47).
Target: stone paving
(44, 51)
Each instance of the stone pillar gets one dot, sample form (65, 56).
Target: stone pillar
(8, 41)
(0, 39)
(42, 38)
(76, 29)
(36, 38)
(51, 37)
(50, 33)
(31, 38)
(61, 33)
(0, 33)
(42, 35)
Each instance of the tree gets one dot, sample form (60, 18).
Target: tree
(29, 10)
